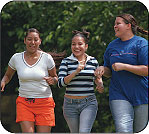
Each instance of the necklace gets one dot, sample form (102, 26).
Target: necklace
(82, 61)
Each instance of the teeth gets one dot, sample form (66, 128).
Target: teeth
(31, 46)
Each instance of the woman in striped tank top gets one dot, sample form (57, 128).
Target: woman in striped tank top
(76, 73)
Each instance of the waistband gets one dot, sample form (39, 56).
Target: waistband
(30, 100)
(33, 100)
(90, 97)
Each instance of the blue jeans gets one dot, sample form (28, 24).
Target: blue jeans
(129, 118)
(80, 113)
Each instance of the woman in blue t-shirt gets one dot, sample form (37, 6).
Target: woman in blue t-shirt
(126, 62)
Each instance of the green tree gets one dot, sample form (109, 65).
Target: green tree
(55, 20)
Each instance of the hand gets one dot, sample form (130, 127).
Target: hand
(50, 80)
(99, 71)
(80, 67)
(118, 66)
(2, 86)
(100, 87)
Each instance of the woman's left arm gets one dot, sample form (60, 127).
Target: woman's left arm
(99, 84)
(141, 70)
(52, 79)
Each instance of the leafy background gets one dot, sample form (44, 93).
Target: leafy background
(55, 20)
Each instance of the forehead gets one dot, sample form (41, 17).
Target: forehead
(32, 34)
(119, 19)
(78, 38)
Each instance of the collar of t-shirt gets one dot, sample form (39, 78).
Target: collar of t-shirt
(72, 57)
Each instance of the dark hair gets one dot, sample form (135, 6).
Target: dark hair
(128, 18)
(57, 56)
(84, 34)
(32, 30)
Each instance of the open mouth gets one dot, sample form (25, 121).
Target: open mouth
(32, 46)
(77, 50)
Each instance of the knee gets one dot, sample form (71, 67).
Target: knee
(124, 124)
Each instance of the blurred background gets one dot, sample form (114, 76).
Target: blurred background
(56, 20)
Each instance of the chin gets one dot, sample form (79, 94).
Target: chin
(117, 36)
(33, 51)
(77, 55)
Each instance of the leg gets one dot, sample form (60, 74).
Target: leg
(140, 117)
(27, 126)
(71, 115)
(123, 115)
(43, 129)
(88, 116)
(24, 115)
(72, 123)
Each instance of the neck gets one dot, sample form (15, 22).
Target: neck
(35, 54)
(127, 37)
(82, 58)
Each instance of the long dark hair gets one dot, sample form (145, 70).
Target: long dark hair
(128, 18)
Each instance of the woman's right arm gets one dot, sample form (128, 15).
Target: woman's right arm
(7, 77)
(68, 78)
(63, 77)
(107, 72)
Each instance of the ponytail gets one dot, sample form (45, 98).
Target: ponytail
(141, 30)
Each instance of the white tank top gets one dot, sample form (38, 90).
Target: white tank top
(32, 84)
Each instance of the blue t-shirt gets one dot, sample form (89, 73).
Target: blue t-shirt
(125, 85)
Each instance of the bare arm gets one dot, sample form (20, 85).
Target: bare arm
(7, 77)
(99, 83)
(68, 78)
(141, 70)
(53, 78)
(105, 71)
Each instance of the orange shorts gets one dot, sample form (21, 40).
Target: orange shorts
(38, 110)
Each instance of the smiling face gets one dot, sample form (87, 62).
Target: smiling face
(32, 42)
(120, 27)
(78, 47)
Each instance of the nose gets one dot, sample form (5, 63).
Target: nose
(76, 46)
(115, 26)
(33, 42)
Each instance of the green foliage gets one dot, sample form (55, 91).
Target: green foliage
(56, 20)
